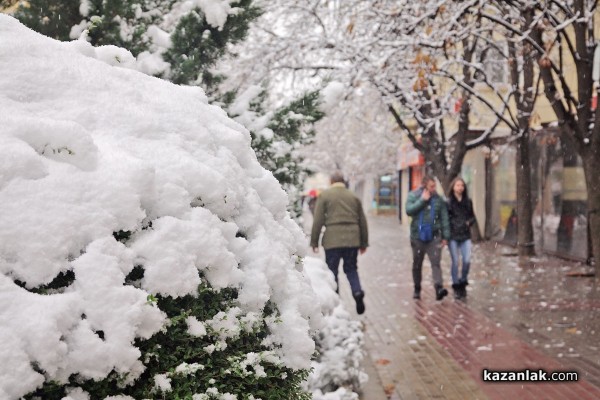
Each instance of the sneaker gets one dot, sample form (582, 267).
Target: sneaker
(360, 304)
(440, 293)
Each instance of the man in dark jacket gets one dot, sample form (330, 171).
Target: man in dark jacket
(429, 233)
(346, 233)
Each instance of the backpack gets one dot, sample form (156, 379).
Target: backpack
(426, 230)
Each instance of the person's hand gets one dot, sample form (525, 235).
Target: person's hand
(363, 250)
(315, 250)
(426, 195)
(444, 242)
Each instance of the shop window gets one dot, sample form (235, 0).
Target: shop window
(386, 193)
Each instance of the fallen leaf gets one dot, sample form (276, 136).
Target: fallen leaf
(571, 330)
(389, 389)
(382, 361)
(580, 274)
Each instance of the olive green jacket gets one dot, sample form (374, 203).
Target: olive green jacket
(414, 205)
(341, 212)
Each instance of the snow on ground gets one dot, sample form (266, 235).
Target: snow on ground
(339, 342)
(91, 149)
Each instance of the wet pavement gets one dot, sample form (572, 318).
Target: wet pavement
(521, 313)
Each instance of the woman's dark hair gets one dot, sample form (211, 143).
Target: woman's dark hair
(450, 193)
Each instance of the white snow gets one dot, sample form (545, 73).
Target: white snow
(195, 327)
(340, 394)
(159, 37)
(76, 394)
(340, 340)
(217, 11)
(331, 96)
(90, 149)
(240, 110)
(84, 7)
(162, 383)
(187, 369)
(77, 30)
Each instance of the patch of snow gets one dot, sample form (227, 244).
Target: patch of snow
(331, 96)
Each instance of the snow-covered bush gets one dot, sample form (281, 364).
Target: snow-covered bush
(336, 371)
(144, 251)
(278, 136)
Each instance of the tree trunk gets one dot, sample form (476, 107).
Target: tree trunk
(489, 196)
(591, 166)
(525, 242)
(433, 151)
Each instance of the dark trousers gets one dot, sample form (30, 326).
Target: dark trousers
(433, 250)
(350, 256)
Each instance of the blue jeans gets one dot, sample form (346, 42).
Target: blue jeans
(465, 251)
(349, 255)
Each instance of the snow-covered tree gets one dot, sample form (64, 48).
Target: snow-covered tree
(425, 59)
(428, 61)
(358, 135)
(508, 54)
(443, 70)
(562, 35)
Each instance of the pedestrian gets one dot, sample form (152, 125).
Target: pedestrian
(460, 212)
(429, 233)
(346, 233)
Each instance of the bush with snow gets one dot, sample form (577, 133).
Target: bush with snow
(144, 252)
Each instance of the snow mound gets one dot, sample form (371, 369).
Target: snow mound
(105, 169)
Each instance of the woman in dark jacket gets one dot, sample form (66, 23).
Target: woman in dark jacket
(460, 213)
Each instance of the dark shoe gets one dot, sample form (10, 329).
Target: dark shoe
(440, 293)
(463, 289)
(360, 304)
(457, 288)
(417, 292)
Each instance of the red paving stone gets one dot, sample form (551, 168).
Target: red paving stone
(477, 343)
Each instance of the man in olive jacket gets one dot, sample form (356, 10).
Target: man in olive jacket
(419, 206)
(346, 233)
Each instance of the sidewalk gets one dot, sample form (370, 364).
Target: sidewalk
(520, 314)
